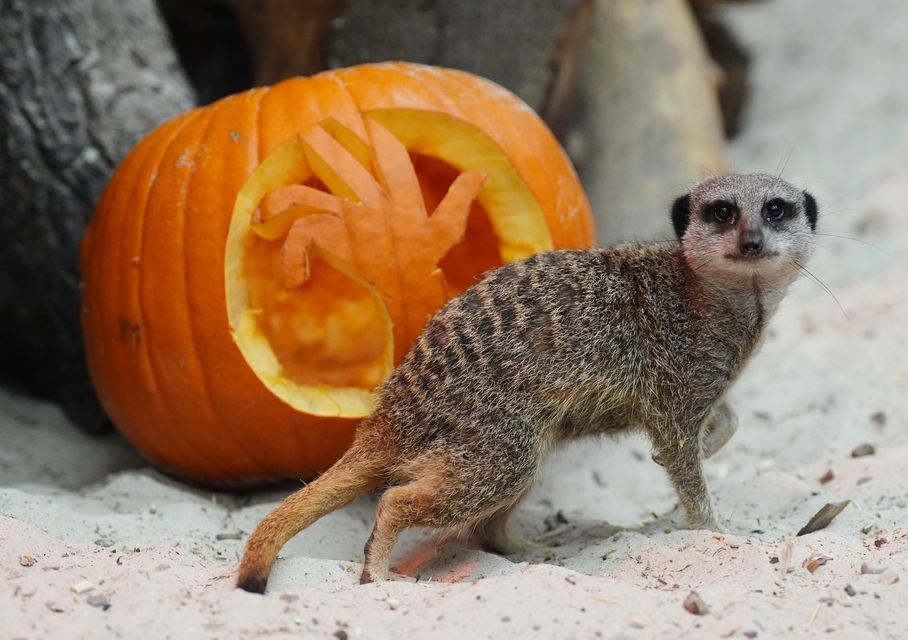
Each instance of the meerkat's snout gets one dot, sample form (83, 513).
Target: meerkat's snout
(750, 242)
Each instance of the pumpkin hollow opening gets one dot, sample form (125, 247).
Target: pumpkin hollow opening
(329, 331)
(466, 261)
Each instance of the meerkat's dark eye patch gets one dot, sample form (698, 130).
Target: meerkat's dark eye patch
(681, 215)
(776, 210)
(810, 210)
(721, 212)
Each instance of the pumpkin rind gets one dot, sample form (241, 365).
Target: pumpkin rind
(155, 318)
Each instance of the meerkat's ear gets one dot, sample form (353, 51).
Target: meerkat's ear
(681, 215)
(810, 209)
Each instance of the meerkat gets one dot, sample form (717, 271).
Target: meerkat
(560, 346)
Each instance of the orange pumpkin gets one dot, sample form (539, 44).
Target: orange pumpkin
(257, 266)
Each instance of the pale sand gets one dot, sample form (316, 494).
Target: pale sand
(823, 384)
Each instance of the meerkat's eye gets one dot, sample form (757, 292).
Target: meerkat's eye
(775, 210)
(722, 212)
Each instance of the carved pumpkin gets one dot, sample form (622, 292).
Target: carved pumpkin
(257, 266)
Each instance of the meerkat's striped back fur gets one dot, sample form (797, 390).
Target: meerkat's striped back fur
(559, 346)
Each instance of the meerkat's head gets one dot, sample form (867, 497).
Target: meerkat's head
(753, 224)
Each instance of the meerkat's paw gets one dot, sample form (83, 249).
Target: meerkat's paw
(707, 524)
(505, 542)
(370, 575)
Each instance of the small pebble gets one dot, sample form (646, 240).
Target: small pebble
(81, 587)
(889, 577)
(695, 604)
(27, 560)
(392, 603)
(99, 601)
(340, 634)
(863, 450)
(866, 568)
(850, 590)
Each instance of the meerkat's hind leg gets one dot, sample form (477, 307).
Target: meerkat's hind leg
(399, 509)
(719, 429)
(498, 537)
(450, 491)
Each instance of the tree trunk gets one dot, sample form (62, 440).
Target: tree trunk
(650, 122)
(80, 82)
(532, 47)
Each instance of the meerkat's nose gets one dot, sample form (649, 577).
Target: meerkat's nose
(751, 242)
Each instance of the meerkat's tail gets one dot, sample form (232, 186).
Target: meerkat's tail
(357, 472)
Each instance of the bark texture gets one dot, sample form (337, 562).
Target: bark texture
(80, 82)
(520, 44)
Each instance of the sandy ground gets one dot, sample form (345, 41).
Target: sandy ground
(118, 550)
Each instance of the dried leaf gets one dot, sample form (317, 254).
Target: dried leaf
(823, 517)
(695, 605)
(815, 562)
(608, 599)
(813, 616)
(863, 450)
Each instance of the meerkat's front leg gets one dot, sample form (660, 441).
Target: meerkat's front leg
(683, 460)
(721, 426)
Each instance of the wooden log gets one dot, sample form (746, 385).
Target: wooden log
(532, 47)
(287, 37)
(80, 82)
(650, 121)
(210, 42)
